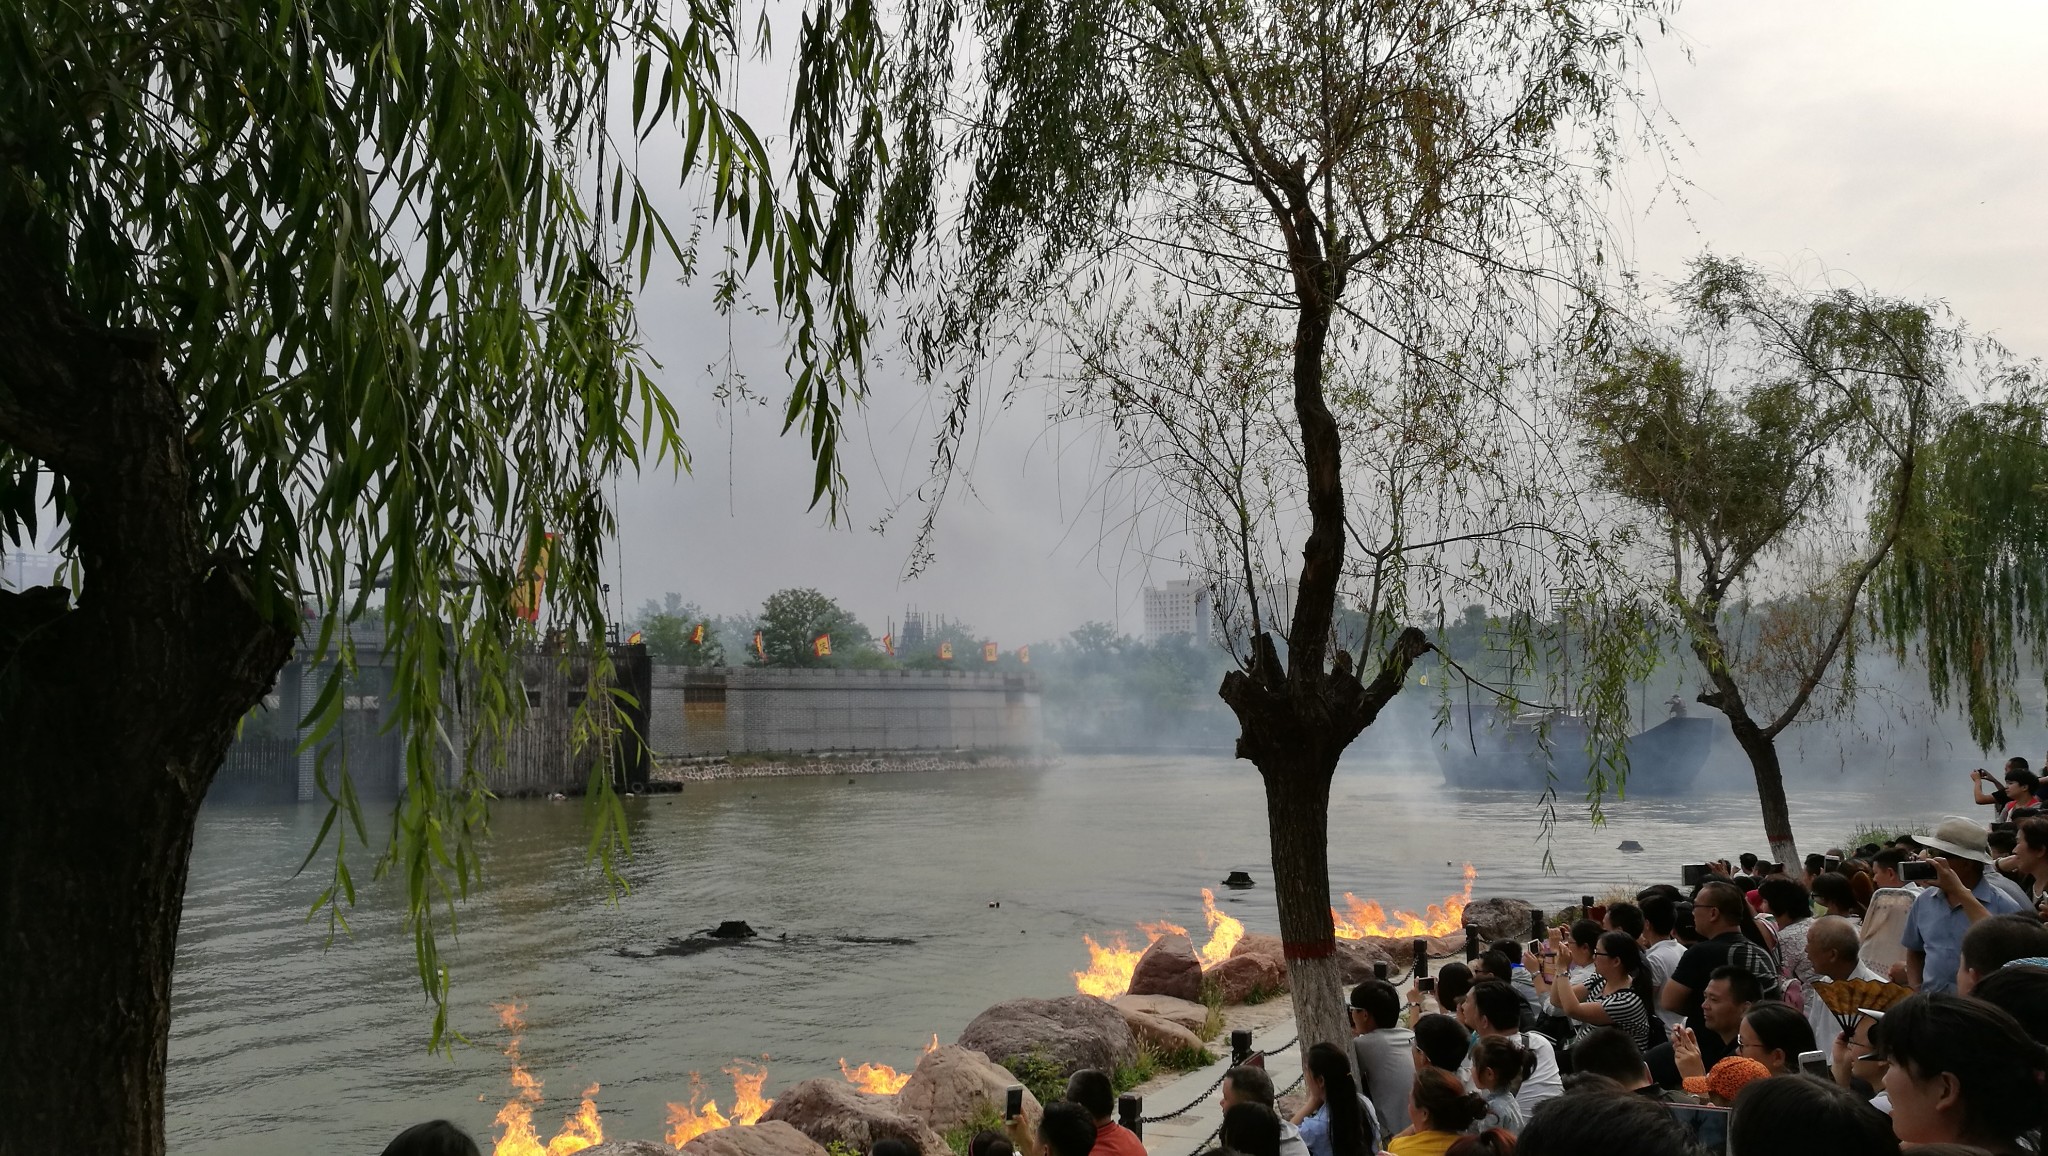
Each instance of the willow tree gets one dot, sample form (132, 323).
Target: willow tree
(1345, 164)
(295, 298)
(1778, 441)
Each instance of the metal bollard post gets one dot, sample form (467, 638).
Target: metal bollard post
(1240, 1046)
(1130, 1112)
(1379, 969)
(1471, 943)
(1421, 958)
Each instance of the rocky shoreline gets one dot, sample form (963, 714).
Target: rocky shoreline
(703, 770)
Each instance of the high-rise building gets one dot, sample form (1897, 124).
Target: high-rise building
(1182, 606)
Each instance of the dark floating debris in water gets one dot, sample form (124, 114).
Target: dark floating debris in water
(1630, 845)
(881, 940)
(732, 929)
(995, 903)
(1238, 880)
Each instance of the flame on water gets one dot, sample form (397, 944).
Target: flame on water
(1365, 918)
(515, 1120)
(1110, 966)
(1224, 931)
(686, 1122)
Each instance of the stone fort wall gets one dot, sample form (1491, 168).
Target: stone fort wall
(727, 710)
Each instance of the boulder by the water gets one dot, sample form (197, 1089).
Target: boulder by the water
(1169, 967)
(1236, 979)
(1356, 956)
(832, 1110)
(1630, 845)
(1401, 952)
(1499, 917)
(952, 1086)
(768, 1138)
(656, 1148)
(732, 929)
(1074, 1032)
(1163, 1036)
(1257, 944)
(1188, 1014)
(1238, 880)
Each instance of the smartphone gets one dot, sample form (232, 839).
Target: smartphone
(1693, 874)
(1013, 1102)
(1917, 871)
(1815, 1064)
(1426, 984)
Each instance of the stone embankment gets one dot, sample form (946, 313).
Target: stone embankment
(700, 770)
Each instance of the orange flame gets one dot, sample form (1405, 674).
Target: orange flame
(686, 1122)
(934, 1045)
(517, 1138)
(878, 1078)
(1224, 931)
(1110, 967)
(1366, 919)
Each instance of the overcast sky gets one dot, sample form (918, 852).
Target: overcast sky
(1903, 144)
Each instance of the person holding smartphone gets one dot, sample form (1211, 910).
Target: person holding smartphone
(1618, 994)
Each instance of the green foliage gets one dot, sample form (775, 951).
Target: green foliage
(1184, 1059)
(985, 1119)
(792, 619)
(1040, 1073)
(388, 251)
(1968, 583)
(1880, 832)
(1138, 1071)
(667, 627)
(1212, 998)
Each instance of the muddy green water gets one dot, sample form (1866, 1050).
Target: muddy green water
(280, 1044)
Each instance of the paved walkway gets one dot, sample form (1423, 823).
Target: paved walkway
(1194, 1130)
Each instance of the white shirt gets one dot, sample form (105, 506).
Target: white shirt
(1290, 1140)
(1825, 1026)
(1662, 957)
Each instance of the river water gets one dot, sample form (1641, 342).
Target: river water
(883, 886)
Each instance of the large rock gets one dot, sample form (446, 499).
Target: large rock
(829, 1110)
(768, 1138)
(953, 1085)
(656, 1148)
(1256, 944)
(1402, 951)
(1073, 1032)
(1238, 978)
(1499, 918)
(1164, 1037)
(1356, 957)
(1169, 967)
(1188, 1014)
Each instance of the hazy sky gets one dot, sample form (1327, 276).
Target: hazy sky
(1903, 144)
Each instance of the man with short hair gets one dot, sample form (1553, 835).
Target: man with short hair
(1381, 1051)
(1941, 914)
(1246, 1084)
(1492, 1009)
(1626, 918)
(1724, 1000)
(1495, 964)
(1064, 1129)
(1992, 943)
(1834, 950)
(1095, 1091)
(1717, 912)
(1661, 949)
(1885, 870)
(1609, 1052)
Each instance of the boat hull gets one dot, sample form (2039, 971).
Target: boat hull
(1485, 753)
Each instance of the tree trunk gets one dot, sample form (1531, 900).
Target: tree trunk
(1298, 822)
(114, 715)
(1762, 750)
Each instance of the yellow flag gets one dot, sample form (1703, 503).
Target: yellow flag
(697, 635)
(526, 593)
(822, 646)
(758, 651)
(1024, 655)
(945, 652)
(889, 644)
(988, 652)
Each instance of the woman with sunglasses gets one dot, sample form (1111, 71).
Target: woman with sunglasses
(1619, 994)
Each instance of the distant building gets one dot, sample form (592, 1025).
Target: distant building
(21, 569)
(1183, 606)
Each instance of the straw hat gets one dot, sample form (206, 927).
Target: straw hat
(1959, 837)
(1727, 1078)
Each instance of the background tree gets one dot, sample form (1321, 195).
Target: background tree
(1779, 444)
(293, 297)
(667, 627)
(1383, 175)
(791, 619)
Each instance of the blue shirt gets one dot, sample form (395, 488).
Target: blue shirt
(1936, 929)
(1315, 1129)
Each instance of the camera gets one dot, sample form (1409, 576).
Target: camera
(1917, 871)
(1694, 874)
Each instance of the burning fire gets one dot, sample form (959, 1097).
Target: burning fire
(580, 1131)
(686, 1122)
(880, 1078)
(1110, 967)
(1367, 919)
